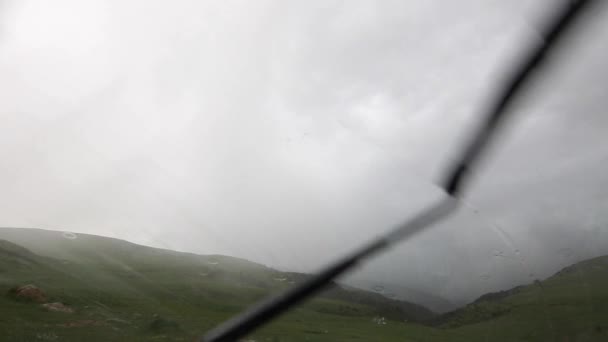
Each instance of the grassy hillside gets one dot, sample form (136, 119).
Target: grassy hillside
(109, 280)
(125, 292)
(399, 291)
(572, 305)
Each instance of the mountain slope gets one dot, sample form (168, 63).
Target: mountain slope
(108, 279)
(125, 292)
(398, 291)
(128, 260)
(571, 305)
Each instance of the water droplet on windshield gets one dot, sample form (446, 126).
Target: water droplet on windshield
(69, 235)
(378, 288)
(379, 320)
(498, 253)
(485, 276)
(565, 252)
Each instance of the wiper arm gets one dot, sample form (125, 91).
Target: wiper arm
(453, 185)
(259, 314)
(508, 91)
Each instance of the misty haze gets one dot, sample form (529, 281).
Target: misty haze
(251, 143)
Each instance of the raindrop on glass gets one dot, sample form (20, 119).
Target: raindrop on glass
(565, 252)
(378, 288)
(485, 276)
(69, 235)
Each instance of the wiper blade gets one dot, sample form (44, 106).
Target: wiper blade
(259, 314)
(453, 185)
(505, 95)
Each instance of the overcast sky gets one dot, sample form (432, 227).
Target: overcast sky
(287, 132)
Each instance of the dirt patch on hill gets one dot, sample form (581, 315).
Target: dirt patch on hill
(83, 323)
(58, 307)
(29, 292)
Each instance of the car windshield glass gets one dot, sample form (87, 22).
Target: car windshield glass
(166, 165)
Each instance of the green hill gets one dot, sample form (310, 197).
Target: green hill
(121, 291)
(572, 305)
(109, 280)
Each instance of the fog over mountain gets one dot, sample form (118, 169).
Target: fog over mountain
(288, 132)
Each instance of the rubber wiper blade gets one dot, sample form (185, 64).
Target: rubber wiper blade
(264, 311)
(507, 93)
(453, 185)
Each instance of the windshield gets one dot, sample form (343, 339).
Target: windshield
(182, 161)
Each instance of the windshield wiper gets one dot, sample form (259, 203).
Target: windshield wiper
(453, 185)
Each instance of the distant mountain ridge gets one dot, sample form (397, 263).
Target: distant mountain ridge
(582, 286)
(114, 254)
(109, 289)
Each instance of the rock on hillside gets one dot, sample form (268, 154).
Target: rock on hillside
(28, 292)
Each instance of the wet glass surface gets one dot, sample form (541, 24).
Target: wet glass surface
(165, 166)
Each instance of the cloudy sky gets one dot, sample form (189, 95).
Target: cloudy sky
(287, 132)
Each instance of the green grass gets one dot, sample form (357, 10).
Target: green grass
(126, 292)
(572, 305)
